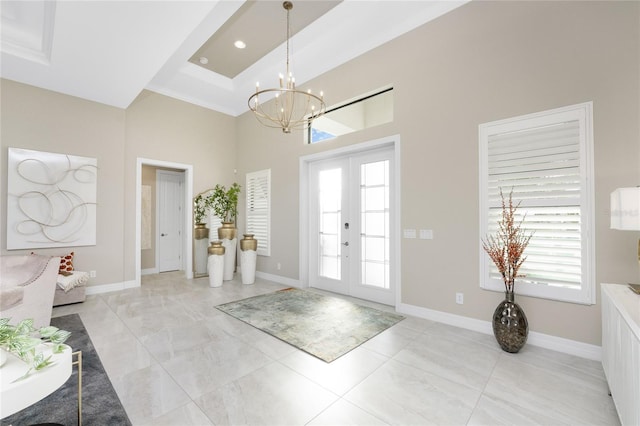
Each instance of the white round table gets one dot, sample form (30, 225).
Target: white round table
(17, 395)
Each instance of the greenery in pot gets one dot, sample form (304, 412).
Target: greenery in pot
(224, 202)
(19, 340)
(200, 208)
(507, 246)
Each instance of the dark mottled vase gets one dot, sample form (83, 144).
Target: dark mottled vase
(510, 324)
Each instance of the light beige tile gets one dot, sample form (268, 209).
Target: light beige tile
(122, 354)
(228, 367)
(450, 356)
(182, 339)
(400, 394)
(271, 346)
(213, 365)
(148, 393)
(391, 341)
(570, 397)
(272, 395)
(343, 413)
(492, 411)
(187, 415)
(340, 375)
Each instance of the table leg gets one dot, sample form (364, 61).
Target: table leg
(78, 362)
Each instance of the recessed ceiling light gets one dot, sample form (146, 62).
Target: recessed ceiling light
(240, 44)
(203, 60)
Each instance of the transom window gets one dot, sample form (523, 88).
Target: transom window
(363, 113)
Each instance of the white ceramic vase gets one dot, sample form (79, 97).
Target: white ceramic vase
(248, 266)
(229, 258)
(215, 267)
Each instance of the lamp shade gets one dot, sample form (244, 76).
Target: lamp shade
(625, 209)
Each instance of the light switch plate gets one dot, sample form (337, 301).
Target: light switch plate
(409, 233)
(426, 234)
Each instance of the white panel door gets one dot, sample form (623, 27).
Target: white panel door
(170, 187)
(350, 201)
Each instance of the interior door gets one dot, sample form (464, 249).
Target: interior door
(170, 186)
(349, 225)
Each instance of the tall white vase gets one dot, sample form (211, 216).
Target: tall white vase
(215, 264)
(248, 258)
(229, 258)
(248, 266)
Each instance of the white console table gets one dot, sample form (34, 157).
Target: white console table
(621, 349)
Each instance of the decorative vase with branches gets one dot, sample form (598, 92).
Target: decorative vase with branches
(506, 250)
(506, 247)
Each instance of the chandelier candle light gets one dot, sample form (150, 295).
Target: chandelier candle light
(291, 108)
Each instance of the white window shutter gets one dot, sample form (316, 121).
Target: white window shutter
(545, 159)
(259, 209)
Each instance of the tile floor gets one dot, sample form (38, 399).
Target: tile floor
(176, 360)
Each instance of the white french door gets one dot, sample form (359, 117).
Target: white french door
(350, 201)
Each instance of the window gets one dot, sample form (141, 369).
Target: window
(259, 209)
(363, 113)
(546, 159)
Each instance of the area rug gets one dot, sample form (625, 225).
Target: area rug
(323, 326)
(100, 403)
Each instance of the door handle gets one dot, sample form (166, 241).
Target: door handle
(163, 235)
(346, 243)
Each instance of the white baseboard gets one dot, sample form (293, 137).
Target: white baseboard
(108, 288)
(572, 347)
(278, 279)
(149, 271)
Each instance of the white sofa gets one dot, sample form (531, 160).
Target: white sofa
(27, 286)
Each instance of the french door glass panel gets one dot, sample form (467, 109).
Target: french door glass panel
(330, 212)
(374, 235)
(349, 232)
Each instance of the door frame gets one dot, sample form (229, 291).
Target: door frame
(157, 230)
(188, 213)
(395, 243)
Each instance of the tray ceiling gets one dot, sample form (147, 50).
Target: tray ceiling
(109, 51)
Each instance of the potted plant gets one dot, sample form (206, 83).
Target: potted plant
(199, 208)
(224, 203)
(20, 341)
(506, 249)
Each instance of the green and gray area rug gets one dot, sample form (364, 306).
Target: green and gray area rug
(325, 327)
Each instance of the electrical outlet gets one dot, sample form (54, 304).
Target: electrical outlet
(92, 274)
(460, 298)
(278, 266)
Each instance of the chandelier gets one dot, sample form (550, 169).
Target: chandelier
(291, 109)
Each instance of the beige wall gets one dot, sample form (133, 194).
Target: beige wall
(46, 121)
(165, 129)
(154, 127)
(484, 61)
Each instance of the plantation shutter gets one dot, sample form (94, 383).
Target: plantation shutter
(542, 161)
(259, 209)
(542, 166)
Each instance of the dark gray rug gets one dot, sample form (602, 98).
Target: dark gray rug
(325, 327)
(100, 403)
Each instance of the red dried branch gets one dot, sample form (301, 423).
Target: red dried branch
(506, 248)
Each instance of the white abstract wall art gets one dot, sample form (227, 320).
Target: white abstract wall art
(51, 200)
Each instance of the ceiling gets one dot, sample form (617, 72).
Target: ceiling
(109, 51)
